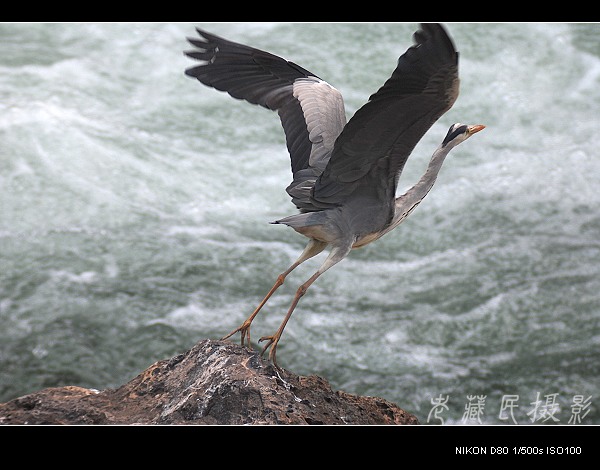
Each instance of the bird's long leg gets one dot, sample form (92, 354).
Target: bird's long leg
(336, 255)
(313, 248)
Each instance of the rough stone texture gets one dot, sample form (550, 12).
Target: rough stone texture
(215, 382)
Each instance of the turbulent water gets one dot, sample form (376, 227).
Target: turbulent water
(135, 205)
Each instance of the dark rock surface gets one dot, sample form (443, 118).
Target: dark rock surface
(215, 382)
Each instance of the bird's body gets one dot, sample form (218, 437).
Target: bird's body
(345, 174)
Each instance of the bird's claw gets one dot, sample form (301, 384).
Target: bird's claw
(272, 347)
(244, 331)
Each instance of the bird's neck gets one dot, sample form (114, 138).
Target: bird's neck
(408, 201)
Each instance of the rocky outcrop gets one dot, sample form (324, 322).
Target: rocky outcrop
(215, 382)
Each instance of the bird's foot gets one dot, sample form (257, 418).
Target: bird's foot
(272, 347)
(244, 330)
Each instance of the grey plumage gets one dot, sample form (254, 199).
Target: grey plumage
(345, 174)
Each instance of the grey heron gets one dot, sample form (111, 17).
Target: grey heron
(345, 174)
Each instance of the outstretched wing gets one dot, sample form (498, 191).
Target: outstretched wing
(371, 151)
(311, 111)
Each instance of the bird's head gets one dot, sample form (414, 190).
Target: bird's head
(459, 133)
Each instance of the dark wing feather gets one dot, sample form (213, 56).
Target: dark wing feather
(372, 149)
(234, 68)
(275, 83)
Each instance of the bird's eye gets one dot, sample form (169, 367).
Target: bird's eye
(453, 132)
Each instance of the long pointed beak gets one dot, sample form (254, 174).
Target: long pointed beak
(476, 128)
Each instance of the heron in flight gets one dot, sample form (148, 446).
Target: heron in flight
(345, 174)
